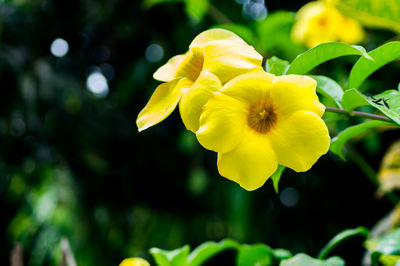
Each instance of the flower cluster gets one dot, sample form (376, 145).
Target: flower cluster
(254, 120)
(320, 21)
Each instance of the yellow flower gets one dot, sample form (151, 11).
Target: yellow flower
(134, 262)
(319, 22)
(257, 121)
(214, 57)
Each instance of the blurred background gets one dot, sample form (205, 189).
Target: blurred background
(75, 74)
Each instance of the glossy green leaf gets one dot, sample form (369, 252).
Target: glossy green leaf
(363, 68)
(196, 9)
(388, 102)
(281, 254)
(305, 260)
(359, 231)
(276, 66)
(151, 3)
(319, 54)
(373, 13)
(352, 132)
(209, 249)
(277, 176)
(258, 254)
(175, 257)
(329, 88)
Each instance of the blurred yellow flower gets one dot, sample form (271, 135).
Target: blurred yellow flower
(257, 121)
(134, 262)
(214, 57)
(319, 22)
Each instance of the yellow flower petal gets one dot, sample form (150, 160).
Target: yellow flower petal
(167, 72)
(195, 97)
(300, 140)
(162, 103)
(214, 35)
(228, 59)
(251, 163)
(351, 32)
(250, 87)
(292, 93)
(222, 123)
(192, 65)
(134, 262)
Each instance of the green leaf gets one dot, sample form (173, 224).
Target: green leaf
(306, 61)
(175, 257)
(258, 254)
(363, 68)
(196, 9)
(302, 259)
(389, 244)
(352, 132)
(209, 249)
(374, 13)
(329, 88)
(388, 102)
(276, 66)
(339, 238)
(273, 34)
(277, 176)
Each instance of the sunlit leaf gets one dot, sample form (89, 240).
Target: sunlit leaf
(276, 66)
(151, 3)
(258, 254)
(196, 9)
(175, 257)
(319, 54)
(389, 244)
(209, 249)
(364, 67)
(352, 132)
(329, 88)
(389, 172)
(374, 13)
(388, 102)
(305, 260)
(277, 176)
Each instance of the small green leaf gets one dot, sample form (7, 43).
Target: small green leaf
(258, 254)
(329, 88)
(209, 249)
(276, 66)
(282, 254)
(352, 132)
(196, 9)
(175, 257)
(363, 68)
(306, 61)
(277, 176)
(339, 238)
(302, 259)
(388, 102)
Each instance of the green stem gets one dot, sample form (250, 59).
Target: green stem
(339, 238)
(357, 113)
(369, 172)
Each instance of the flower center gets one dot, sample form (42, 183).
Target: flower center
(262, 117)
(192, 65)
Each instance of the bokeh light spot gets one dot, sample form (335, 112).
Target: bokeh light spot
(59, 47)
(289, 197)
(97, 84)
(154, 53)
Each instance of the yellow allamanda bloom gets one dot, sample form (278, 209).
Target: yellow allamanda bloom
(257, 121)
(134, 262)
(214, 57)
(318, 22)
